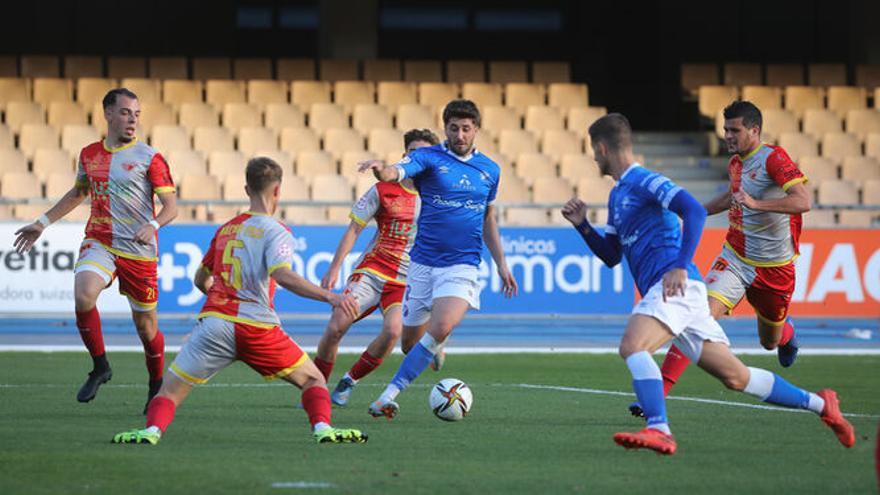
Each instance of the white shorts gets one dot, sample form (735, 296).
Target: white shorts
(686, 316)
(426, 283)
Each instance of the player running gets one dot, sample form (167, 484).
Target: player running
(380, 277)
(643, 226)
(457, 185)
(121, 175)
(248, 256)
(765, 201)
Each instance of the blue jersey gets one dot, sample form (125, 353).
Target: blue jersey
(455, 193)
(638, 214)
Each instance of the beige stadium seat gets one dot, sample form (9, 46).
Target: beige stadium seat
(523, 95)
(838, 193)
(558, 142)
(764, 97)
(415, 116)
(58, 183)
(567, 95)
(245, 69)
(711, 99)
(182, 162)
(204, 68)
(871, 192)
(382, 70)
(294, 188)
(147, 90)
(464, 71)
(76, 66)
(223, 163)
(826, 75)
(253, 139)
(338, 70)
(40, 66)
(801, 98)
(305, 215)
(213, 138)
(12, 160)
(281, 115)
(260, 92)
(817, 123)
(47, 90)
(7, 139)
(393, 94)
(311, 163)
(579, 119)
(842, 99)
(512, 142)
(551, 190)
(540, 118)
(818, 169)
(8, 66)
(598, 216)
(91, 90)
(119, 67)
(551, 72)
(859, 218)
(194, 115)
(351, 93)
(863, 122)
(784, 75)
(776, 122)
(63, 113)
(238, 115)
(168, 68)
(497, 118)
(233, 187)
(76, 137)
(526, 216)
(19, 113)
(333, 188)
(508, 72)
(872, 145)
(839, 145)
(513, 189)
(385, 141)
(323, 116)
(199, 187)
(362, 183)
(798, 145)
(152, 114)
(295, 69)
(296, 140)
(14, 89)
(219, 93)
(437, 95)
(35, 136)
(306, 93)
(167, 138)
(695, 75)
(742, 74)
(348, 164)
(178, 92)
(338, 141)
(595, 190)
(860, 168)
(20, 185)
(485, 142)
(370, 116)
(422, 71)
(530, 166)
(575, 167)
(868, 76)
(483, 94)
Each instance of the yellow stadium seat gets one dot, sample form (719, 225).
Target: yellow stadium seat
(147, 90)
(14, 89)
(382, 70)
(281, 115)
(199, 187)
(868, 76)
(76, 66)
(76, 137)
(58, 183)
(296, 140)
(35, 136)
(498, 118)
(860, 168)
(575, 167)
(784, 75)
(294, 188)
(219, 92)
(776, 122)
(415, 116)
(530, 166)
(167, 138)
(858, 218)
(323, 116)
(437, 95)
(551, 72)
(260, 92)
(863, 122)
(63, 113)
(508, 72)
(798, 145)
(194, 115)
(40, 66)
(245, 69)
(711, 99)
(152, 114)
(842, 99)
(764, 97)
(826, 75)
(99, 120)
(338, 70)
(485, 143)
(168, 68)
(333, 188)
(523, 95)
(838, 193)
(383, 142)
(204, 68)
(7, 139)
(182, 162)
(91, 90)
(464, 71)
(818, 169)
(213, 138)
(253, 139)
(695, 75)
(422, 71)
(339, 140)
(178, 91)
(47, 90)
(595, 190)
(306, 93)
(8, 66)
(12, 160)
(20, 185)
(513, 189)
(551, 190)
(801, 98)
(558, 142)
(393, 94)
(579, 119)
(282, 158)
(351, 93)
(312, 163)
(305, 215)
(233, 187)
(370, 116)
(512, 142)
(742, 74)
(567, 95)
(871, 192)
(872, 145)
(540, 118)
(483, 94)
(238, 115)
(362, 183)
(119, 67)
(348, 164)
(526, 216)
(839, 145)
(295, 69)
(223, 163)
(19, 113)
(817, 122)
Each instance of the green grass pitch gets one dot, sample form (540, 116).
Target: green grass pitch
(239, 435)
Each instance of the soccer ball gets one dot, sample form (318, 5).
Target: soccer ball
(451, 399)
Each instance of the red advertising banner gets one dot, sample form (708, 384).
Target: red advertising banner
(838, 272)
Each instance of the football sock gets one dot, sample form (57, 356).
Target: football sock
(316, 402)
(364, 366)
(787, 333)
(772, 388)
(154, 353)
(673, 366)
(160, 413)
(415, 362)
(89, 325)
(325, 367)
(648, 386)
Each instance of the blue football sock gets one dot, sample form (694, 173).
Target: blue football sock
(648, 386)
(772, 388)
(415, 362)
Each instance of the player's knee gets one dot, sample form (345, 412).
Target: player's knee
(735, 382)
(392, 330)
(84, 301)
(769, 343)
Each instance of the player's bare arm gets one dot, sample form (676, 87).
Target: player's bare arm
(383, 171)
(295, 283)
(203, 280)
(493, 242)
(148, 230)
(345, 246)
(796, 200)
(719, 203)
(26, 236)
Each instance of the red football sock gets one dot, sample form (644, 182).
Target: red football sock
(325, 367)
(787, 333)
(364, 366)
(154, 352)
(673, 366)
(160, 412)
(316, 402)
(89, 324)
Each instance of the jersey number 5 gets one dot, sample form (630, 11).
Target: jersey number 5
(232, 274)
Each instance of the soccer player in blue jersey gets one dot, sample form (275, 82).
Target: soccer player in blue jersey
(643, 227)
(457, 185)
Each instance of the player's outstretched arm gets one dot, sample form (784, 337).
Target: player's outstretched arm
(26, 236)
(492, 238)
(203, 280)
(719, 203)
(295, 283)
(382, 171)
(168, 213)
(345, 246)
(607, 248)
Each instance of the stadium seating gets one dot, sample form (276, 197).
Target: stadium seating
(798, 145)
(219, 92)
(323, 116)
(842, 99)
(863, 122)
(147, 90)
(76, 66)
(742, 74)
(818, 169)
(801, 98)
(540, 118)
(208, 139)
(520, 96)
(75, 137)
(121, 67)
(238, 115)
(254, 139)
(204, 68)
(551, 72)
(40, 66)
(826, 75)
(58, 183)
(12, 160)
(35, 136)
(508, 72)
(415, 116)
(281, 115)
(783, 75)
(422, 71)
(179, 91)
(462, 71)
(338, 70)
(7, 139)
(295, 69)
(841, 145)
(246, 69)
(764, 97)
(20, 185)
(371, 116)
(860, 168)
(167, 68)
(382, 70)
(395, 93)
(437, 94)
(567, 95)
(776, 122)
(695, 75)
(299, 139)
(13, 89)
(48, 90)
(818, 122)
(838, 193)
(63, 113)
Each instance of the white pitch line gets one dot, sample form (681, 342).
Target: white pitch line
(303, 484)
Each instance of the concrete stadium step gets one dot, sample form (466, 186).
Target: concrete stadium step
(672, 143)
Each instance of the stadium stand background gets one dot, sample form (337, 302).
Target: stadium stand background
(321, 85)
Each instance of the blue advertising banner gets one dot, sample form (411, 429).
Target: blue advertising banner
(555, 270)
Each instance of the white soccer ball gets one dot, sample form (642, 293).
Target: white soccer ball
(451, 399)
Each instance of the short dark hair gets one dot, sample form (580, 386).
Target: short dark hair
(750, 113)
(461, 109)
(613, 130)
(261, 172)
(419, 135)
(113, 94)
